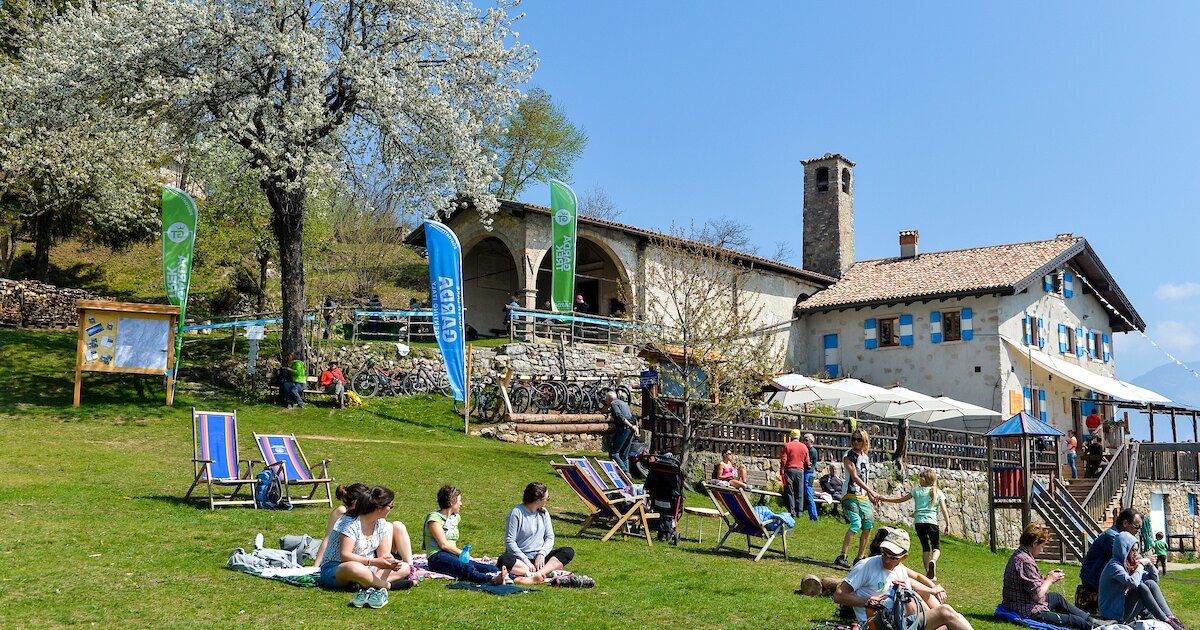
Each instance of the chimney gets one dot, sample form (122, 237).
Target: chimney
(828, 215)
(908, 243)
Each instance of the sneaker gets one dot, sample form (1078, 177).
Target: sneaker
(931, 571)
(1176, 623)
(403, 585)
(258, 541)
(841, 562)
(857, 560)
(576, 581)
(377, 598)
(360, 598)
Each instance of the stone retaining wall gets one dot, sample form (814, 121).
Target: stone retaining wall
(31, 304)
(1176, 509)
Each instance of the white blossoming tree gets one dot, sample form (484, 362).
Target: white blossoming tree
(409, 86)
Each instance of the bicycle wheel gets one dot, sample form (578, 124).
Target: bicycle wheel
(520, 397)
(443, 384)
(624, 393)
(489, 403)
(571, 402)
(414, 384)
(543, 397)
(364, 384)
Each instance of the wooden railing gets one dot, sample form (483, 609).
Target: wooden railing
(529, 324)
(1168, 461)
(1111, 477)
(760, 434)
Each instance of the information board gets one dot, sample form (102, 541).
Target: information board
(125, 337)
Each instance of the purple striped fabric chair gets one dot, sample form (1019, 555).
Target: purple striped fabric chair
(740, 518)
(604, 506)
(215, 459)
(283, 453)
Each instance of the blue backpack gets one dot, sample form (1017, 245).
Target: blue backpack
(268, 491)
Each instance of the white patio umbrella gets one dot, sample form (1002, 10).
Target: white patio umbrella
(859, 396)
(948, 409)
(799, 390)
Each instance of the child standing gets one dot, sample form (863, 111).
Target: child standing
(1160, 552)
(929, 507)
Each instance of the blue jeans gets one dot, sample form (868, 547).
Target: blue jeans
(809, 499)
(293, 394)
(448, 563)
(619, 449)
(1071, 463)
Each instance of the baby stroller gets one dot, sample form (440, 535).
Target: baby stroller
(664, 485)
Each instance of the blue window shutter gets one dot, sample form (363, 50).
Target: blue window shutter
(906, 330)
(1048, 282)
(1028, 330)
(1068, 284)
(935, 327)
(832, 358)
(1042, 405)
(871, 333)
(1062, 338)
(968, 329)
(1028, 400)
(1041, 333)
(1080, 344)
(1107, 351)
(1091, 343)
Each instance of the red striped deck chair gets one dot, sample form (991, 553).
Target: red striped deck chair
(215, 459)
(740, 518)
(283, 453)
(604, 507)
(617, 475)
(586, 466)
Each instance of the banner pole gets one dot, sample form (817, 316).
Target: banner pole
(467, 395)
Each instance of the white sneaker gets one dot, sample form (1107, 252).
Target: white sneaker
(258, 541)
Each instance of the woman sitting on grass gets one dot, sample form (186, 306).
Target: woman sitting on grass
(529, 541)
(401, 546)
(1129, 586)
(358, 553)
(440, 541)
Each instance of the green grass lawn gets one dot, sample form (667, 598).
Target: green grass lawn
(93, 529)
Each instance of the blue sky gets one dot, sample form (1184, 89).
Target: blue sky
(976, 125)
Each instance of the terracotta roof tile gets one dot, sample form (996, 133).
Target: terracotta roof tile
(963, 271)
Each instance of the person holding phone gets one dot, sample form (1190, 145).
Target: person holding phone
(1027, 591)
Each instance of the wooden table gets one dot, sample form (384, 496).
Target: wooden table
(702, 513)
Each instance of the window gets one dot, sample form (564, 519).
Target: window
(1033, 332)
(1070, 340)
(952, 326)
(1192, 509)
(1097, 346)
(846, 180)
(1035, 404)
(889, 331)
(822, 179)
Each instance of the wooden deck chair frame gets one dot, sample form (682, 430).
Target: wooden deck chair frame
(622, 509)
(740, 518)
(305, 476)
(203, 462)
(615, 473)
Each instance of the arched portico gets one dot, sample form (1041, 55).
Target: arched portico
(599, 278)
(489, 279)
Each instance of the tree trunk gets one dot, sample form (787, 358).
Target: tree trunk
(264, 257)
(43, 239)
(901, 453)
(287, 222)
(689, 434)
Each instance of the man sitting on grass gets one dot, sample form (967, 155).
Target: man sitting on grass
(870, 582)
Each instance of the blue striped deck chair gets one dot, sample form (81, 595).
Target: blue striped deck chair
(740, 518)
(619, 478)
(586, 466)
(604, 507)
(283, 453)
(215, 459)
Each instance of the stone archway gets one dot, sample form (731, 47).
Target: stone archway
(489, 280)
(599, 277)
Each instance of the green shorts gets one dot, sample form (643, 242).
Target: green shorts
(858, 513)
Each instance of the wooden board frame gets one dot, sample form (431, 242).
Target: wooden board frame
(164, 312)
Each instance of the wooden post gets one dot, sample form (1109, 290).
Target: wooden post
(81, 347)
(1150, 412)
(991, 474)
(171, 360)
(1175, 439)
(1027, 464)
(504, 384)
(467, 395)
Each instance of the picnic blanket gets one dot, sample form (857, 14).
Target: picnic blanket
(305, 577)
(494, 589)
(1008, 615)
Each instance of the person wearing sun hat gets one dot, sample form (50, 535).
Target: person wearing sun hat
(870, 582)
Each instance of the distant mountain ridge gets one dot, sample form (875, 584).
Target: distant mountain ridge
(1174, 382)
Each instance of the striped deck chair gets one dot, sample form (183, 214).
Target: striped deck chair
(215, 459)
(621, 509)
(284, 454)
(586, 466)
(740, 518)
(619, 478)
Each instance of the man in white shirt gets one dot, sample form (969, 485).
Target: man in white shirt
(870, 582)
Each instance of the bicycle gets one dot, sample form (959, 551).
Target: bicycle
(486, 402)
(373, 379)
(422, 380)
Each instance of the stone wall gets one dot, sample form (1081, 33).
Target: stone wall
(1178, 518)
(31, 304)
(966, 496)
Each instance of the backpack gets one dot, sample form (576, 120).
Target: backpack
(268, 492)
(897, 617)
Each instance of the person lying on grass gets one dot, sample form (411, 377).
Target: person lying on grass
(529, 541)
(358, 553)
(870, 581)
(401, 546)
(440, 541)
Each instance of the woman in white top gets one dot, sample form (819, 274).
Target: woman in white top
(359, 549)
(401, 546)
